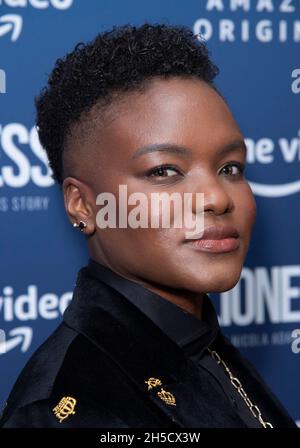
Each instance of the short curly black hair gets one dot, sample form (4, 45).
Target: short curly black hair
(122, 59)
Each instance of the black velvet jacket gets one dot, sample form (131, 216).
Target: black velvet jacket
(108, 365)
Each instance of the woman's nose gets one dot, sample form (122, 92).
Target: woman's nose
(216, 198)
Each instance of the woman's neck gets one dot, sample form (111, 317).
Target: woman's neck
(189, 301)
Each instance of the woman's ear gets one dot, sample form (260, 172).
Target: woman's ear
(80, 204)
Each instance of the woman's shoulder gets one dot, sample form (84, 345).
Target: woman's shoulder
(55, 379)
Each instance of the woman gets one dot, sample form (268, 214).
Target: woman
(140, 344)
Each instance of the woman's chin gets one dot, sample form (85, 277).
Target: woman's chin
(220, 285)
(214, 283)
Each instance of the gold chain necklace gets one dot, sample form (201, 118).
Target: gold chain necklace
(237, 384)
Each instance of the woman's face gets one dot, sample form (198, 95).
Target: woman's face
(190, 114)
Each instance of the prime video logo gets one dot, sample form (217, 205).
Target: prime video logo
(12, 24)
(26, 308)
(263, 151)
(2, 81)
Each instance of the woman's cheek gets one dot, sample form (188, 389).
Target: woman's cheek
(246, 204)
(251, 206)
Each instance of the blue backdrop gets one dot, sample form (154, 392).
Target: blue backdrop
(256, 44)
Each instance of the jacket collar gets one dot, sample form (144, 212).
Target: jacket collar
(142, 351)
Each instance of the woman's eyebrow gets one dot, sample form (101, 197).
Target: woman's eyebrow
(232, 146)
(183, 151)
(166, 147)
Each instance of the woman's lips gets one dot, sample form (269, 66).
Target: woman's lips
(217, 239)
(216, 246)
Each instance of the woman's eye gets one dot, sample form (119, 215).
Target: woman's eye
(163, 171)
(233, 169)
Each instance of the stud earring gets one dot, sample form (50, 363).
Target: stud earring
(81, 226)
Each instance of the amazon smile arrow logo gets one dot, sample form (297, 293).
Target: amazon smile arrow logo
(11, 23)
(275, 191)
(18, 336)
